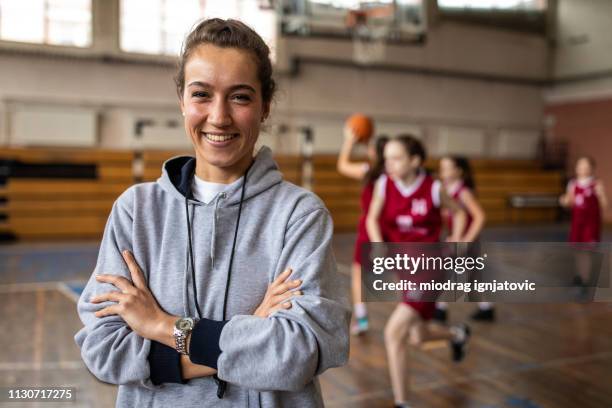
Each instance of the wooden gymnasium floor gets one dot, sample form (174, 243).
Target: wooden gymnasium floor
(534, 356)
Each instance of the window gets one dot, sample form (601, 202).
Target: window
(56, 22)
(159, 26)
(336, 18)
(511, 5)
(353, 4)
(529, 16)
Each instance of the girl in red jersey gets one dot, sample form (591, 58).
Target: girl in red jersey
(456, 176)
(586, 196)
(368, 172)
(406, 207)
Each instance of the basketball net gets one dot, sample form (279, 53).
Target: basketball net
(369, 41)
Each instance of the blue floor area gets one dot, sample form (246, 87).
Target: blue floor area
(36, 263)
(76, 288)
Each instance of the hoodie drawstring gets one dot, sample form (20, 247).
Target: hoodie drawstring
(185, 283)
(214, 229)
(221, 385)
(193, 281)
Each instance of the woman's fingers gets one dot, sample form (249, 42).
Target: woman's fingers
(279, 294)
(284, 287)
(282, 277)
(135, 271)
(107, 297)
(282, 306)
(108, 311)
(119, 281)
(284, 297)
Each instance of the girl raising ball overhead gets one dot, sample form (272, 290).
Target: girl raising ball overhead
(368, 172)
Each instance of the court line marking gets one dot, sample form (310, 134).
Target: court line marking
(27, 287)
(60, 286)
(344, 269)
(69, 293)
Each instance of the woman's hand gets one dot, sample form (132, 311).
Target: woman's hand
(278, 295)
(349, 135)
(134, 302)
(564, 200)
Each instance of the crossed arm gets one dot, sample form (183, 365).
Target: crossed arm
(137, 306)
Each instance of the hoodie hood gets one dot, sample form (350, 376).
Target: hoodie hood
(177, 175)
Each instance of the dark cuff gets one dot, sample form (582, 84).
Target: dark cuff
(204, 344)
(165, 364)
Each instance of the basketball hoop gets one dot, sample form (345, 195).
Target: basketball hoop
(369, 39)
(369, 44)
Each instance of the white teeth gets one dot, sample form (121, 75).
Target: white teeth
(218, 138)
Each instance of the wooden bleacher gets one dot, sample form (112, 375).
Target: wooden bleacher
(50, 208)
(42, 208)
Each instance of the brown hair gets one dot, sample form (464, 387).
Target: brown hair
(463, 164)
(412, 145)
(379, 165)
(228, 34)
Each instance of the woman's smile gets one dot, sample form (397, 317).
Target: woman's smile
(220, 139)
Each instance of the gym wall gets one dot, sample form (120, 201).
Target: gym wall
(479, 82)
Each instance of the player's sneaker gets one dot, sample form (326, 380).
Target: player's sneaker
(484, 315)
(440, 315)
(458, 344)
(360, 326)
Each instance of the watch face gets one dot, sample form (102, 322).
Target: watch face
(185, 324)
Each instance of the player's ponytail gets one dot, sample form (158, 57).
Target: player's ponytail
(467, 176)
(379, 166)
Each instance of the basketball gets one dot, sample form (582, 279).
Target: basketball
(362, 126)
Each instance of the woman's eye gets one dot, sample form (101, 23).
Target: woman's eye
(242, 98)
(200, 94)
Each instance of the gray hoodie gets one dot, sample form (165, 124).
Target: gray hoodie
(267, 362)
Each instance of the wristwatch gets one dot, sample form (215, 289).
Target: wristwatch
(182, 328)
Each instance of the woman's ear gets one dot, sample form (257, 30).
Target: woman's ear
(181, 105)
(266, 111)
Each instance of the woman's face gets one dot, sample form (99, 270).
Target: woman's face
(448, 171)
(398, 164)
(223, 107)
(584, 168)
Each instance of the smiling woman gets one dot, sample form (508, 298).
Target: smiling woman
(190, 300)
(228, 94)
(223, 109)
